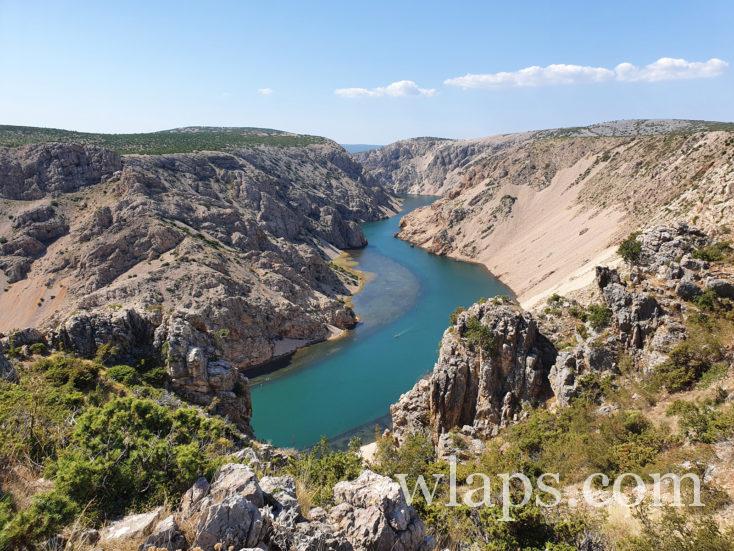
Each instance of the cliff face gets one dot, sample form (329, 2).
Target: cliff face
(541, 209)
(491, 363)
(218, 260)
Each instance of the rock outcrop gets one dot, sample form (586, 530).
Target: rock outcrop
(7, 371)
(492, 361)
(239, 511)
(646, 321)
(35, 171)
(372, 514)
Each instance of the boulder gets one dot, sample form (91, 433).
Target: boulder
(234, 479)
(7, 371)
(234, 521)
(372, 513)
(722, 287)
(166, 535)
(281, 493)
(132, 527)
(687, 290)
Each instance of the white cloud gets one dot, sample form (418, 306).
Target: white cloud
(401, 88)
(534, 76)
(663, 69)
(265, 91)
(667, 68)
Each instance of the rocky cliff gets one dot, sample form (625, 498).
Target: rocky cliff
(492, 362)
(496, 358)
(216, 261)
(541, 209)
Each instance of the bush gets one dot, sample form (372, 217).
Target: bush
(70, 372)
(703, 422)
(47, 514)
(454, 316)
(479, 336)
(124, 374)
(630, 249)
(411, 458)
(714, 252)
(599, 316)
(687, 363)
(708, 300)
(317, 471)
(675, 531)
(38, 349)
(133, 453)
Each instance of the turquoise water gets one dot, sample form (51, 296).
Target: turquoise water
(335, 387)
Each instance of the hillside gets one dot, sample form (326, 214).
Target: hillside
(214, 261)
(541, 209)
(177, 140)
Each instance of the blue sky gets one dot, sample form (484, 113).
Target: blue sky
(325, 67)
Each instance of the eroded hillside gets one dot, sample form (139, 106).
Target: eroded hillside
(215, 260)
(541, 209)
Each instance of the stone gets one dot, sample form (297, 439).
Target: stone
(234, 521)
(234, 479)
(722, 287)
(7, 371)
(281, 492)
(131, 527)
(687, 290)
(166, 535)
(372, 513)
(193, 497)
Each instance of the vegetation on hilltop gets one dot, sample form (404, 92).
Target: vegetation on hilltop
(180, 140)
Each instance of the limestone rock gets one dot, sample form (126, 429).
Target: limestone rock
(165, 535)
(33, 171)
(722, 287)
(687, 290)
(372, 513)
(7, 371)
(235, 521)
(132, 527)
(485, 389)
(236, 480)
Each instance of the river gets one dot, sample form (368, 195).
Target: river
(345, 386)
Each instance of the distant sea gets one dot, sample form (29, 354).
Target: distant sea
(359, 147)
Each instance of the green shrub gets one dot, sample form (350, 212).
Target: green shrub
(124, 374)
(132, 453)
(687, 363)
(70, 372)
(630, 249)
(708, 300)
(454, 316)
(47, 514)
(678, 532)
(38, 349)
(317, 471)
(479, 336)
(705, 422)
(714, 252)
(599, 316)
(411, 458)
